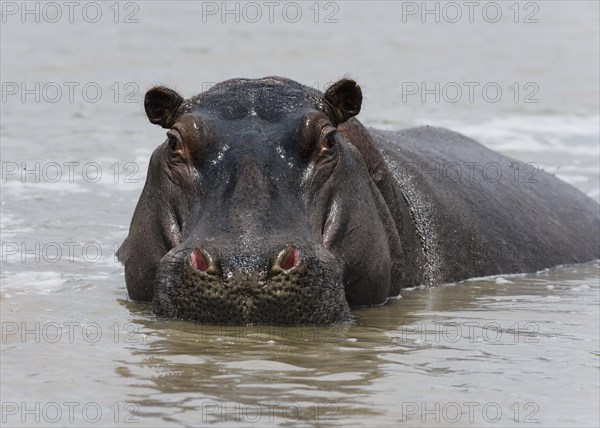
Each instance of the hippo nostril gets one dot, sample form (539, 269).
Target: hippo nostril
(198, 260)
(290, 258)
(287, 259)
(203, 262)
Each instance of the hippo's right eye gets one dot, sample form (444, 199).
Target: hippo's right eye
(174, 142)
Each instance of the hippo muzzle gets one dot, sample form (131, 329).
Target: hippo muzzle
(292, 287)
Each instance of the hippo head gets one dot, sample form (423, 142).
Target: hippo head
(257, 209)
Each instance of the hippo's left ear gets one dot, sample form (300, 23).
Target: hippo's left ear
(345, 98)
(161, 105)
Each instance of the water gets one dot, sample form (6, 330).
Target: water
(506, 351)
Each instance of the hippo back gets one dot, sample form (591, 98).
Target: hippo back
(479, 213)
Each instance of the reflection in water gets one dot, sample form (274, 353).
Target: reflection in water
(275, 367)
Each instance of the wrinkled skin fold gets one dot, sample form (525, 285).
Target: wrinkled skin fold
(269, 202)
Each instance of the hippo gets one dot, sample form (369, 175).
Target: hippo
(270, 203)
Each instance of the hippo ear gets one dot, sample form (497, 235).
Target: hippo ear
(161, 105)
(344, 97)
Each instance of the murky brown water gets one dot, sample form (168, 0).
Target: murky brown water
(508, 351)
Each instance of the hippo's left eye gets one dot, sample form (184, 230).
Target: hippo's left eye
(328, 139)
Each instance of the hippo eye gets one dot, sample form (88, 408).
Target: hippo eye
(329, 134)
(330, 139)
(174, 142)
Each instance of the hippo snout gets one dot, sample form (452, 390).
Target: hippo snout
(287, 259)
(288, 286)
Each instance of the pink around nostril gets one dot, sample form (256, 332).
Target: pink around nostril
(290, 258)
(198, 260)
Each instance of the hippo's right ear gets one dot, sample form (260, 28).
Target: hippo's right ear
(161, 105)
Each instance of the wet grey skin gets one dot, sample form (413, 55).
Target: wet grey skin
(269, 202)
